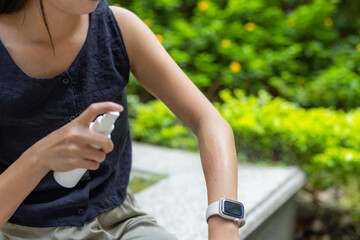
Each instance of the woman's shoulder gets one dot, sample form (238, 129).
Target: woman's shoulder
(133, 29)
(124, 16)
(130, 24)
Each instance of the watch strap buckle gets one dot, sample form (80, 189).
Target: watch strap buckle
(239, 222)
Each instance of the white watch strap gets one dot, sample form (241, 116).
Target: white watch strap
(213, 209)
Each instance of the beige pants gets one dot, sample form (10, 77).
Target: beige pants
(124, 222)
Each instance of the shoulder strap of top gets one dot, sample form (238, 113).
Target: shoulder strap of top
(101, 8)
(107, 28)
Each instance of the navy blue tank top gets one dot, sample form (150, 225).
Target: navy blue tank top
(31, 108)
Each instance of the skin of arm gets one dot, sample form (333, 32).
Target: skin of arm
(162, 77)
(64, 149)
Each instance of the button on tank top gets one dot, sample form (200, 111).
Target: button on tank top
(31, 108)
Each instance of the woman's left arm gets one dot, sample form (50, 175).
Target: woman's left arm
(161, 76)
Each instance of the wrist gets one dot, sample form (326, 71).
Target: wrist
(42, 167)
(220, 228)
(38, 165)
(225, 217)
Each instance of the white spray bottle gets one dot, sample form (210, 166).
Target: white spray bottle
(103, 124)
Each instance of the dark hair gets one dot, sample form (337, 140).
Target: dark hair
(13, 6)
(46, 25)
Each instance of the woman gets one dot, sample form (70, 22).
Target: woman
(64, 62)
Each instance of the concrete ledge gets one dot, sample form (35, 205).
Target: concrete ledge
(161, 160)
(179, 202)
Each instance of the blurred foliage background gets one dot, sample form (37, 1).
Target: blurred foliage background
(283, 73)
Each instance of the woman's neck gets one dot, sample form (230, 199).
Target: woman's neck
(30, 22)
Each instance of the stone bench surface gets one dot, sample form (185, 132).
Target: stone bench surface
(179, 201)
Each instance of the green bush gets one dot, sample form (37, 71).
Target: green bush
(269, 129)
(303, 51)
(324, 142)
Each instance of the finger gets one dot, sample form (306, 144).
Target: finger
(88, 164)
(93, 154)
(100, 140)
(95, 109)
(84, 137)
(92, 165)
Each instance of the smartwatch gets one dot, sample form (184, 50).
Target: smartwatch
(228, 209)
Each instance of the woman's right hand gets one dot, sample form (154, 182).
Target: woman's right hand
(69, 147)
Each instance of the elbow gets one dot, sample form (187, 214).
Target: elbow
(216, 124)
(224, 125)
(227, 129)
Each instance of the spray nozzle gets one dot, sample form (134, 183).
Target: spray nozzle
(109, 119)
(105, 123)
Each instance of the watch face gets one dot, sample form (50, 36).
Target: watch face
(232, 208)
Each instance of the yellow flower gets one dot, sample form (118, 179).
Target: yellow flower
(358, 47)
(328, 22)
(290, 23)
(203, 5)
(117, 4)
(148, 22)
(250, 26)
(235, 67)
(160, 37)
(225, 43)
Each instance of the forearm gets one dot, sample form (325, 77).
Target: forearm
(16, 183)
(219, 161)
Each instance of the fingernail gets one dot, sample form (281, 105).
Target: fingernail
(118, 106)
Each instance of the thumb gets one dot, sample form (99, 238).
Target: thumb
(95, 109)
